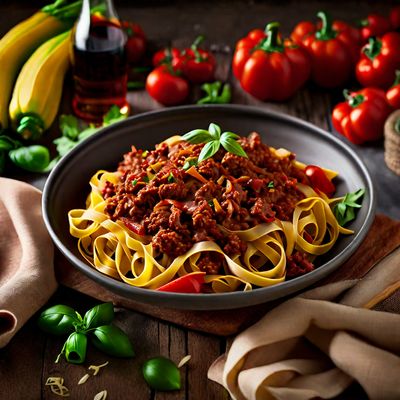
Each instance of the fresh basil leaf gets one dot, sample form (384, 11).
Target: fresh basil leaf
(75, 348)
(69, 126)
(353, 197)
(271, 185)
(341, 209)
(161, 373)
(197, 136)
(58, 320)
(229, 135)
(102, 314)
(233, 147)
(113, 341)
(215, 131)
(208, 150)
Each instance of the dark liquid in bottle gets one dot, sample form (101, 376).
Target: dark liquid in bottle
(100, 70)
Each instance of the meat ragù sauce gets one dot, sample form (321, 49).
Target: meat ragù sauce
(157, 196)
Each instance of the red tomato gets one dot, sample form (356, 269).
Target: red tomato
(164, 85)
(136, 44)
(319, 180)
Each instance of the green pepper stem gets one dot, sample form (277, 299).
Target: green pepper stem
(373, 48)
(30, 126)
(326, 32)
(272, 43)
(354, 100)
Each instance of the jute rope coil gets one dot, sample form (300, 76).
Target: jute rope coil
(392, 142)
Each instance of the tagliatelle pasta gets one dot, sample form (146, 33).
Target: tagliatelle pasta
(112, 247)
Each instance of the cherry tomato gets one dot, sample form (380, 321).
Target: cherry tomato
(319, 180)
(136, 44)
(166, 86)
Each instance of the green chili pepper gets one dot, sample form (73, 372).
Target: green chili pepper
(113, 341)
(32, 158)
(58, 320)
(103, 314)
(161, 373)
(214, 93)
(75, 348)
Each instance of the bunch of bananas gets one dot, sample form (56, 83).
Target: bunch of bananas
(34, 57)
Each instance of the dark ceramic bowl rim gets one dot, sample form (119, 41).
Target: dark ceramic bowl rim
(209, 301)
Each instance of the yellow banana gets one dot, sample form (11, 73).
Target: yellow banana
(38, 89)
(21, 41)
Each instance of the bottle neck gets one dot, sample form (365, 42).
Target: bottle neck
(104, 8)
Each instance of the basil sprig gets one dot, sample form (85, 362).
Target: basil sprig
(214, 139)
(345, 210)
(216, 93)
(161, 373)
(96, 324)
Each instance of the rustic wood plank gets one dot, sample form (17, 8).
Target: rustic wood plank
(204, 349)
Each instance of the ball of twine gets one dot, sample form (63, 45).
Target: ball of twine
(392, 142)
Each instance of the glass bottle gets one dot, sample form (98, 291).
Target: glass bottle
(99, 61)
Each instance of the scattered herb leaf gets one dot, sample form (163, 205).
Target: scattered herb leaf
(134, 182)
(344, 211)
(214, 94)
(270, 185)
(161, 373)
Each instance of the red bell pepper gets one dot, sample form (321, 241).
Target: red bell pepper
(333, 48)
(379, 60)
(394, 17)
(362, 116)
(136, 43)
(319, 181)
(244, 49)
(272, 70)
(393, 94)
(198, 64)
(190, 283)
(374, 25)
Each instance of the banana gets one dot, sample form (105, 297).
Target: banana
(20, 42)
(38, 89)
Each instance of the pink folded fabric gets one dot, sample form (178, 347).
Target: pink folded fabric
(26, 257)
(316, 344)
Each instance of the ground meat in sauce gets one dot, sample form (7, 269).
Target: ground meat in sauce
(178, 210)
(297, 264)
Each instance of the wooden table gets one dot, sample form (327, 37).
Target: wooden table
(28, 360)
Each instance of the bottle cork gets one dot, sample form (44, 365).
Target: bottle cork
(392, 142)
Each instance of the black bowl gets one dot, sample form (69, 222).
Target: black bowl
(67, 188)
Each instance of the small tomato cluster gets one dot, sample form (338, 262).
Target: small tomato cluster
(175, 69)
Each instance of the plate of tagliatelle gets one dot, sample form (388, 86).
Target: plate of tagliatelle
(209, 207)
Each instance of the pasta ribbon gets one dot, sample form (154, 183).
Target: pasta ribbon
(116, 251)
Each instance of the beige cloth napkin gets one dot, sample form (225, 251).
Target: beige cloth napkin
(310, 346)
(26, 257)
